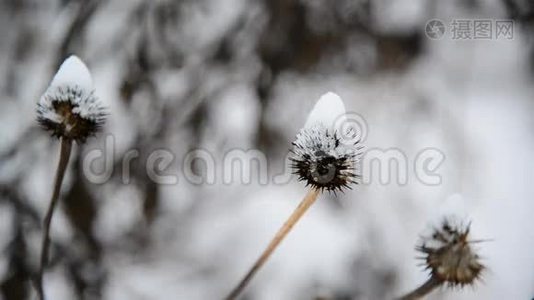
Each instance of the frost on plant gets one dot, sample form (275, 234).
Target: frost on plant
(449, 254)
(321, 158)
(321, 161)
(69, 108)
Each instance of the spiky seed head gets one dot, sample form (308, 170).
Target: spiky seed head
(322, 161)
(449, 255)
(69, 109)
(323, 156)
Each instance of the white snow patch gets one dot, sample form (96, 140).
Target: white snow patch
(327, 111)
(73, 72)
(72, 83)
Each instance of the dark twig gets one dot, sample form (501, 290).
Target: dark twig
(423, 290)
(64, 155)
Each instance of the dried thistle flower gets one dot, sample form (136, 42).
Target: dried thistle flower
(449, 255)
(322, 156)
(71, 112)
(69, 108)
(320, 159)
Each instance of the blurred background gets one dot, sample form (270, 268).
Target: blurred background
(244, 74)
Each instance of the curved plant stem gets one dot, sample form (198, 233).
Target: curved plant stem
(64, 156)
(308, 200)
(423, 290)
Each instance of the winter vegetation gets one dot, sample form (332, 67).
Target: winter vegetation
(254, 149)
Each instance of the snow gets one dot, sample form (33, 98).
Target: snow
(328, 110)
(51, 115)
(470, 99)
(72, 82)
(73, 73)
(90, 108)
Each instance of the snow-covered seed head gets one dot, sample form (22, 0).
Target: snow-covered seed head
(69, 108)
(449, 255)
(320, 158)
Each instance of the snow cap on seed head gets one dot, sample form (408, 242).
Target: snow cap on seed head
(73, 72)
(321, 159)
(68, 108)
(328, 110)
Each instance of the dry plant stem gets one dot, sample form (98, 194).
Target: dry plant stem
(64, 156)
(423, 290)
(280, 235)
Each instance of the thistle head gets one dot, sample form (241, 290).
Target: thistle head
(449, 254)
(321, 157)
(68, 108)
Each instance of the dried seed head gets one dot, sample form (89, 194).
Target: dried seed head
(322, 156)
(69, 108)
(449, 255)
(322, 161)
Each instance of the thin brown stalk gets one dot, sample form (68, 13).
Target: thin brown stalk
(423, 290)
(64, 155)
(308, 200)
